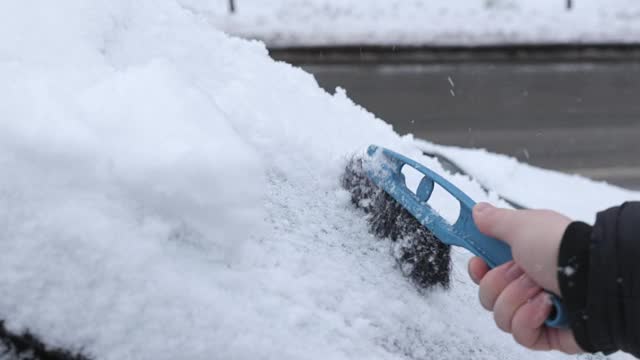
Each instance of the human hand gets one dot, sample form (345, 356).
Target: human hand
(514, 291)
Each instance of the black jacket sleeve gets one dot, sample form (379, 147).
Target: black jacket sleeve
(599, 276)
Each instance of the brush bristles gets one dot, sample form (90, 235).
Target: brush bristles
(27, 346)
(419, 254)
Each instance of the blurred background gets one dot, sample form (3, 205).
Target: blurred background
(554, 83)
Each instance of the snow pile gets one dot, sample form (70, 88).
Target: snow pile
(418, 22)
(170, 192)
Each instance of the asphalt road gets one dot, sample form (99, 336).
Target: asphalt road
(578, 118)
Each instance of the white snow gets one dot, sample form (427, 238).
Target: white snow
(170, 192)
(418, 22)
(574, 195)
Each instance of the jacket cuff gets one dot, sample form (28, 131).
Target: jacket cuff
(573, 275)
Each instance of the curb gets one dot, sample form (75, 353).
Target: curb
(556, 53)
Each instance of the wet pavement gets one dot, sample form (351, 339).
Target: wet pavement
(575, 117)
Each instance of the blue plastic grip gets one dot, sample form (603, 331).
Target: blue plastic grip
(384, 168)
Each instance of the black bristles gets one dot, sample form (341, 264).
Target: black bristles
(419, 254)
(27, 346)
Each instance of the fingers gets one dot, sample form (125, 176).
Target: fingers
(495, 281)
(530, 332)
(528, 322)
(560, 339)
(520, 307)
(477, 269)
(516, 295)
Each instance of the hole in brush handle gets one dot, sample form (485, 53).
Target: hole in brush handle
(558, 318)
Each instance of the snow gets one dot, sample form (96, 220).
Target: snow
(282, 23)
(171, 192)
(570, 194)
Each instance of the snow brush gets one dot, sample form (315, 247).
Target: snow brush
(421, 236)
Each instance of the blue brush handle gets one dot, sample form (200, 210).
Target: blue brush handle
(384, 168)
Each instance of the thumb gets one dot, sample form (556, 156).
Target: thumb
(534, 237)
(502, 224)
